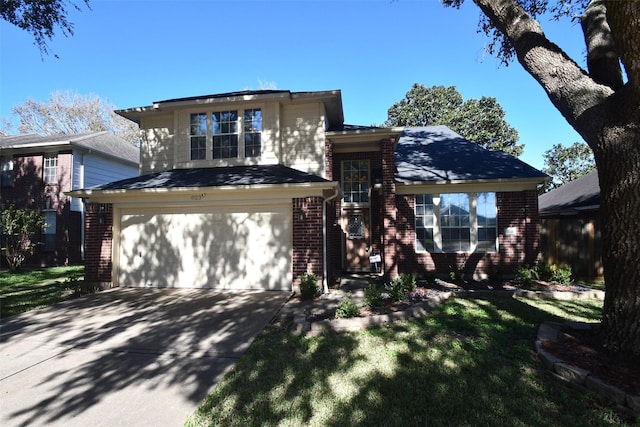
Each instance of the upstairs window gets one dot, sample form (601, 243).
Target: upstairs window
(356, 181)
(6, 172)
(50, 169)
(225, 134)
(198, 136)
(457, 222)
(252, 132)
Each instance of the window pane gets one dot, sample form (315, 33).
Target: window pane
(225, 131)
(487, 222)
(455, 222)
(198, 148)
(424, 222)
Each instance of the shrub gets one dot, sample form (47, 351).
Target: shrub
(399, 287)
(347, 308)
(373, 296)
(309, 288)
(561, 275)
(19, 226)
(525, 274)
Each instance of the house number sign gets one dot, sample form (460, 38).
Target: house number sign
(197, 197)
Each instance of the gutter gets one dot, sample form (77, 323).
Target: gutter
(327, 200)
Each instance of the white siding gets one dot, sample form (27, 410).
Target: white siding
(157, 148)
(98, 170)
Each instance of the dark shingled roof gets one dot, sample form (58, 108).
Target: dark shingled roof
(225, 95)
(579, 195)
(214, 177)
(438, 154)
(103, 142)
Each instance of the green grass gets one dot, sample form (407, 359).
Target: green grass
(470, 363)
(28, 289)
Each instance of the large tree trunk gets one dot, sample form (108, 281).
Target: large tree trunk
(618, 160)
(607, 115)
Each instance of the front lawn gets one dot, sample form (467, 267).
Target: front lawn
(470, 363)
(32, 288)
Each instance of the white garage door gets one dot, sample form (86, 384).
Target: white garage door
(220, 248)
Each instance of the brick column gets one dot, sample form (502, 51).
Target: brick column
(389, 209)
(307, 238)
(99, 244)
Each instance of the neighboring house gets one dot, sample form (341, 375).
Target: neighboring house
(571, 229)
(252, 189)
(38, 170)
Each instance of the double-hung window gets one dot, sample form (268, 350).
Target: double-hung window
(225, 134)
(198, 136)
(457, 222)
(252, 132)
(50, 169)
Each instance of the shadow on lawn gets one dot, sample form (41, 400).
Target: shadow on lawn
(470, 363)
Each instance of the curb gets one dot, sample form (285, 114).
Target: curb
(581, 378)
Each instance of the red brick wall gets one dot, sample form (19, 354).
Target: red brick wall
(29, 191)
(307, 237)
(391, 255)
(98, 244)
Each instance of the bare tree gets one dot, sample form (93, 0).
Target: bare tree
(70, 113)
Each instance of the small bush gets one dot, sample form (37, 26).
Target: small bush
(525, 274)
(309, 288)
(456, 274)
(347, 308)
(399, 287)
(373, 296)
(561, 275)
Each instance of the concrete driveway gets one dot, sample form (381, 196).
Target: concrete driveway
(125, 356)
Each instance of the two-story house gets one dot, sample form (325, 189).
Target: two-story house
(37, 171)
(249, 190)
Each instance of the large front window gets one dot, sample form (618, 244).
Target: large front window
(456, 222)
(355, 181)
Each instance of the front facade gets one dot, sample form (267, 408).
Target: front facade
(37, 171)
(250, 190)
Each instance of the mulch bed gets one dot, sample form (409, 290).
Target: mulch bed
(582, 349)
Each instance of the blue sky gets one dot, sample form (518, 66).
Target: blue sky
(135, 52)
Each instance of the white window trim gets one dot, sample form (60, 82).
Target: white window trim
(46, 159)
(209, 135)
(473, 227)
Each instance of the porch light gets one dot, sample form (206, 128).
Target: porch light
(302, 216)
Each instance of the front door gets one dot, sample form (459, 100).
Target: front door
(357, 240)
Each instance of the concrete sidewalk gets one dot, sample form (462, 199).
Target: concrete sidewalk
(143, 357)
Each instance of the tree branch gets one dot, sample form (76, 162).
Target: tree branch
(624, 19)
(571, 90)
(602, 59)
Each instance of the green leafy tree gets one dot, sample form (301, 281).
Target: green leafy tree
(17, 227)
(481, 121)
(602, 103)
(70, 113)
(565, 164)
(40, 17)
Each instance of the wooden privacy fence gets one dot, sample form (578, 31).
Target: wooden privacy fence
(575, 242)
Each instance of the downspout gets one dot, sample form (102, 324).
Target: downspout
(325, 284)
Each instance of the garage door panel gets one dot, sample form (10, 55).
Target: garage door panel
(222, 249)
